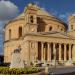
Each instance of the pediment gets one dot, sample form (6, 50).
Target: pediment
(57, 34)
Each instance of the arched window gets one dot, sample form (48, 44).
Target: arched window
(41, 24)
(31, 19)
(50, 28)
(9, 34)
(20, 32)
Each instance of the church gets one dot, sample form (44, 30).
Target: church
(41, 37)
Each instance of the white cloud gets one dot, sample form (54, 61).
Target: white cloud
(8, 10)
(2, 23)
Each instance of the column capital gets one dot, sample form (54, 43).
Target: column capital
(59, 43)
(42, 42)
(54, 42)
(48, 42)
(70, 44)
(65, 43)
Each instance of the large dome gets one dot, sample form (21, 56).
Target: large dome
(45, 21)
(42, 14)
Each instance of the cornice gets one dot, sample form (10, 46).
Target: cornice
(11, 21)
(45, 35)
(15, 39)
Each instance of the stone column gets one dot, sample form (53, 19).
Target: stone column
(54, 51)
(49, 52)
(73, 53)
(25, 53)
(36, 50)
(60, 52)
(42, 51)
(64, 52)
(69, 51)
(30, 50)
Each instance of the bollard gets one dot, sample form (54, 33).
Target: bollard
(46, 69)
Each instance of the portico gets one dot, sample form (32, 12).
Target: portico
(48, 51)
(56, 51)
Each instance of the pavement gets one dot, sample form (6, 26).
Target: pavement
(60, 70)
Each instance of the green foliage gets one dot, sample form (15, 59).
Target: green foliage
(27, 70)
(4, 70)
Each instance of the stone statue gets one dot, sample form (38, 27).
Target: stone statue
(16, 61)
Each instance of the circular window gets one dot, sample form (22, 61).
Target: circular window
(61, 29)
(50, 28)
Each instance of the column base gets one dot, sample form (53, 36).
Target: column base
(68, 63)
(53, 63)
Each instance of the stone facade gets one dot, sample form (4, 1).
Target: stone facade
(42, 37)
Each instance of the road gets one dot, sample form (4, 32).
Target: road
(61, 70)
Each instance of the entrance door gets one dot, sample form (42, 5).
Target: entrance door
(39, 50)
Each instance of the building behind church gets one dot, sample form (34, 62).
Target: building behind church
(41, 36)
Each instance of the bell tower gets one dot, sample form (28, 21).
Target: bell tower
(31, 18)
(72, 25)
(72, 22)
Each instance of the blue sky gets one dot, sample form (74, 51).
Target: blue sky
(59, 8)
(12, 8)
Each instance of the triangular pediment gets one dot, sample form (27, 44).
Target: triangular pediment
(57, 34)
